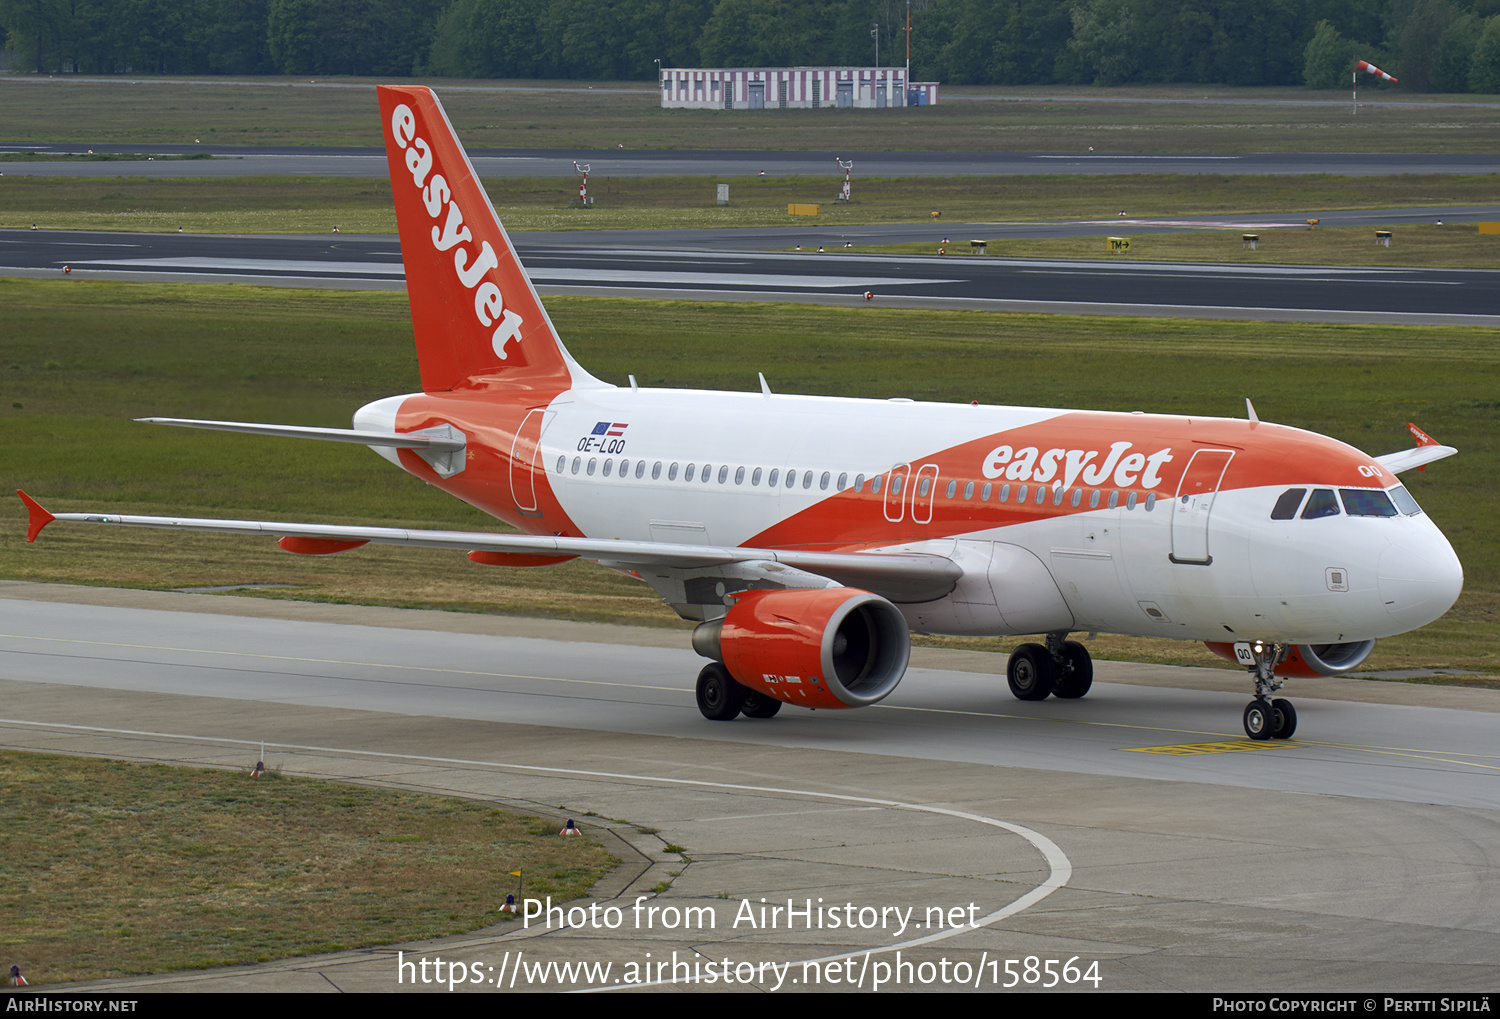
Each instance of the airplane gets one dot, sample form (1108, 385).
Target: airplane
(810, 536)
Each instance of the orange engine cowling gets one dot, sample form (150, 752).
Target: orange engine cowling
(1308, 661)
(827, 648)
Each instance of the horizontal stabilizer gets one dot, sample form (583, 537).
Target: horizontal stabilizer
(404, 441)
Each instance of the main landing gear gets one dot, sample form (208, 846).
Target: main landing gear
(1266, 718)
(1060, 668)
(721, 697)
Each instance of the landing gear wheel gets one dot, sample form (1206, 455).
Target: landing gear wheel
(719, 696)
(1260, 719)
(1031, 673)
(1285, 718)
(1078, 676)
(758, 705)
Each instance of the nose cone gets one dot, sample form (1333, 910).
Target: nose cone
(1420, 578)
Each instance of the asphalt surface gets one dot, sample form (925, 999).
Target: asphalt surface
(352, 161)
(582, 263)
(1135, 828)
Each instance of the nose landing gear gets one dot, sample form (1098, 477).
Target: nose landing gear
(1266, 718)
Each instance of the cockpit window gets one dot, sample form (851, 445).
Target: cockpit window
(1321, 504)
(1359, 502)
(1403, 500)
(1286, 506)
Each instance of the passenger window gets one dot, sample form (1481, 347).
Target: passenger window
(875, 485)
(624, 467)
(755, 478)
(593, 462)
(771, 481)
(1286, 506)
(687, 475)
(1114, 499)
(791, 478)
(577, 462)
(609, 465)
(739, 476)
(843, 482)
(1021, 491)
(1094, 499)
(1150, 501)
(1130, 501)
(672, 473)
(807, 479)
(708, 473)
(925, 487)
(640, 468)
(984, 493)
(969, 490)
(723, 474)
(1005, 492)
(1321, 504)
(824, 480)
(859, 482)
(562, 464)
(656, 471)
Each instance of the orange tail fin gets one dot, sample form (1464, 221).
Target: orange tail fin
(477, 318)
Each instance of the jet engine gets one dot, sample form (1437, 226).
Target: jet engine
(830, 648)
(1307, 661)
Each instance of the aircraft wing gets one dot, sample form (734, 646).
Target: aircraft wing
(1417, 456)
(901, 577)
(1426, 450)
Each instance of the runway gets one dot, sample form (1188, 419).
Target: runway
(1133, 828)
(1215, 290)
(352, 161)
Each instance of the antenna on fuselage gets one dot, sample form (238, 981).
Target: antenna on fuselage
(765, 387)
(1250, 409)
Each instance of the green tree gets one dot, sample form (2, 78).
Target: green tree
(1484, 66)
(34, 31)
(776, 33)
(1455, 53)
(1107, 37)
(1328, 59)
(1417, 36)
(491, 39)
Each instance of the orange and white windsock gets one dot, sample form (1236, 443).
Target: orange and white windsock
(1365, 65)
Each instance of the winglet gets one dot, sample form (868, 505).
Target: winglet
(39, 517)
(1423, 439)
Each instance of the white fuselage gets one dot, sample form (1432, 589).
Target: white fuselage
(1116, 543)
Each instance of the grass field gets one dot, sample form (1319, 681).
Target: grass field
(316, 205)
(603, 115)
(103, 877)
(82, 358)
